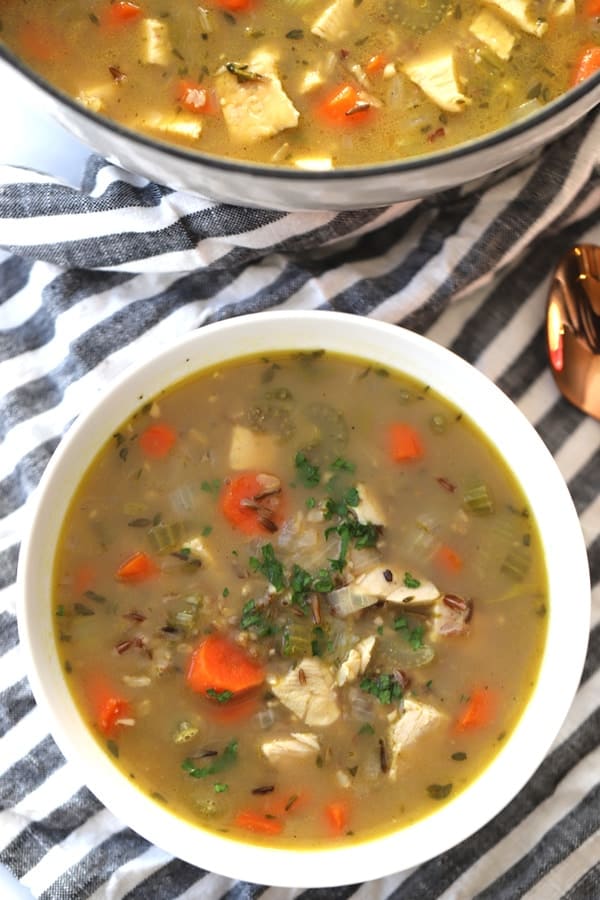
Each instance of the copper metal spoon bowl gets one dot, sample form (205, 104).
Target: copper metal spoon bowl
(573, 327)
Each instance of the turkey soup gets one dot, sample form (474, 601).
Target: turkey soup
(300, 600)
(310, 84)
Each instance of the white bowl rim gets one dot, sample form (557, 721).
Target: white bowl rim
(557, 522)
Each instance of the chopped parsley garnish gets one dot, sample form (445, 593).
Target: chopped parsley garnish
(459, 756)
(410, 581)
(113, 748)
(384, 687)
(367, 728)
(310, 502)
(225, 592)
(269, 566)
(414, 636)
(206, 530)
(97, 598)
(227, 758)
(255, 619)
(308, 473)
(220, 788)
(219, 696)
(342, 465)
(210, 487)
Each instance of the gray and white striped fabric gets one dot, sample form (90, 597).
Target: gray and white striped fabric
(95, 279)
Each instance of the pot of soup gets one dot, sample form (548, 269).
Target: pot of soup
(307, 104)
(293, 603)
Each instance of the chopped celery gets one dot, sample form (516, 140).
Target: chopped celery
(477, 498)
(297, 639)
(165, 537)
(516, 563)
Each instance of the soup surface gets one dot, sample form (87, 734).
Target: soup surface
(312, 84)
(300, 599)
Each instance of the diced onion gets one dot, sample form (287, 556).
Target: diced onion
(345, 601)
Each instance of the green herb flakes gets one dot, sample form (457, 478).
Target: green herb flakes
(459, 756)
(384, 687)
(308, 474)
(439, 791)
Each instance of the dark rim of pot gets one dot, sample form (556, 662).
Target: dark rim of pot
(425, 161)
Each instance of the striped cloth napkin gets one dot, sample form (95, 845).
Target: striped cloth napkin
(95, 279)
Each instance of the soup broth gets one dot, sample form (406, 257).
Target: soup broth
(300, 599)
(312, 84)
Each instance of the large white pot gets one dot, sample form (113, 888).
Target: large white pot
(247, 184)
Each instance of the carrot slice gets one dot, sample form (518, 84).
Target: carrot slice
(591, 8)
(235, 5)
(196, 98)
(40, 43)
(237, 498)
(157, 440)
(343, 106)
(259, 823)
(405, 443)
(449, 558)
(218, 664)
(337, 814)
(588, 62)
(121, 13)
(137, 568)
(376, 64)
(108, 707)
(84, 578)
(479, 711)
(238, 709)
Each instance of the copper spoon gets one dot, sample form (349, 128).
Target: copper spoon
(573, 327)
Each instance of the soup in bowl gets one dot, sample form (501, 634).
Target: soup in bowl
(291, 601)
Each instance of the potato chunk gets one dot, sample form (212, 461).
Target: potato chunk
(156, 42)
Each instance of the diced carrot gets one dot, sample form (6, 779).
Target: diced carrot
(343, 106)
(237, 499)
(449, 558)
(196, 98)
(591, 8)
(238, 709)
(337, 814)
(107, 706)
(376, 64)
(84, 578)
(479, 711)
(588, 62)
(259, 823)
(157, 440)
(235, 6)
(123, 12)
(405, 443)
(218, 664)
(40, 43)
(137, 568)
